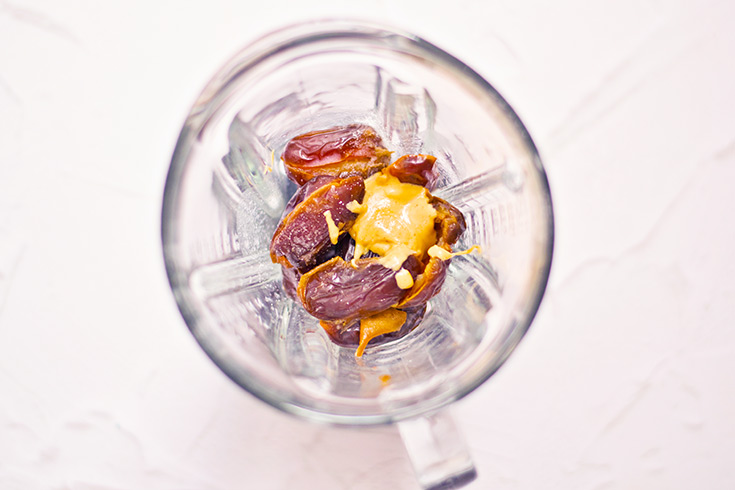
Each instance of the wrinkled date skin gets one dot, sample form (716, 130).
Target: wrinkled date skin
(449, 223)
(355, 148)
(305, 191)
(347, 333)
(291, 275)
(427, 284)
(338, 290)
(414, 169)
(330, 167)
(302, 236)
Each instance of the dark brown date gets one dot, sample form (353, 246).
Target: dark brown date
(305, 191)
(427, 284)
(347, 333)
(302, 236)
(350, 149)
(341, 290)
(449, 223)
(291, 275)
(414, 169)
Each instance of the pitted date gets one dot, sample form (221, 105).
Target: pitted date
(342, 290)
(305, 191)
(291, 275)
(427, 284)
(347, 333)
(351, 149)
(414, 169)
(302, 236)
(449, 223)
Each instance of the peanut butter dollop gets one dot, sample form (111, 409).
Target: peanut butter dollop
(394, 220)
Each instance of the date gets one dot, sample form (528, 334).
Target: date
(347, 333)
(427, 284)
(351, 149)
(302, 237)
(414, 169)
(449, 223)
(341, 290)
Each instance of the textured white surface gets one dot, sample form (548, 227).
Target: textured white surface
(626, 380)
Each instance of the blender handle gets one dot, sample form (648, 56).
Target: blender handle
(437, 451)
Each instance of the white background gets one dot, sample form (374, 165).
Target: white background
(626, 379)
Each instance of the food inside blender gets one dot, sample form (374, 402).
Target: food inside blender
(363, 243)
